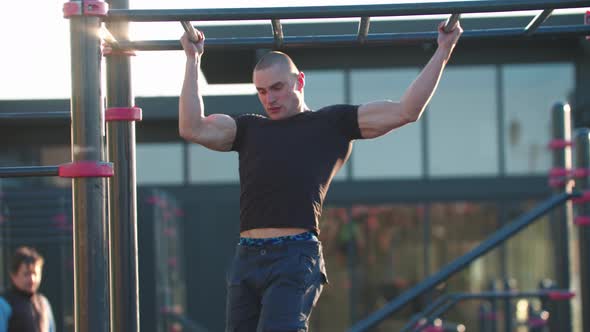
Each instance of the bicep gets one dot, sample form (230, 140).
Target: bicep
(380, 117)
(218, 132)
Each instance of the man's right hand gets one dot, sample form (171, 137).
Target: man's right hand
(193, 49)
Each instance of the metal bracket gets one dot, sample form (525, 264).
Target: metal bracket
(85, 8)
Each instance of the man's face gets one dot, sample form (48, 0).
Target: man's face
(28, 277)
(279, 90)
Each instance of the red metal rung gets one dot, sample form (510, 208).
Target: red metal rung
(587, 21)
(556, 182)
(433, 329)
(86, 169)
(580, 172)
(537, 322)
(560, 296)
(582, 220)
(559, 172)
(85, 8)
(109, 51)
(584, 199)
(123, 114)
(559, 144)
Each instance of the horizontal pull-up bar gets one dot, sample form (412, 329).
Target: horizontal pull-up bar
(310, 12)
(76, 169)
(26, 171)
(352, 39)
(24, 116)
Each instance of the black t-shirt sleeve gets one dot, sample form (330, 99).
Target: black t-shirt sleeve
(346, 118)
(241, 122)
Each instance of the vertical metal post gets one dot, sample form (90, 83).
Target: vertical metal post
(509, 286)
(583, 163)
(90, 242)
(562, 216)
(122, 186)
(353, 268)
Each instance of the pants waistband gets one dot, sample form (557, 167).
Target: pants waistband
(253, 242)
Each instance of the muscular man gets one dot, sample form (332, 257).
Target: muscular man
(287, 160)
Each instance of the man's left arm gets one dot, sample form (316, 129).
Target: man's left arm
(380, 117)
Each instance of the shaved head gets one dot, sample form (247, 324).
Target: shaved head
(277, 58)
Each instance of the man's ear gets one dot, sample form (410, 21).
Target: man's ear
(300, 81)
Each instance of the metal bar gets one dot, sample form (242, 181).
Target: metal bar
(416, 318)
(458, 297)
(190, 30)
(582, 143)
(363, 31)
(28, 171)
(20, 116)
(562, 217)
(536, 22)
(312, 12)
(348, 40)
(451, 21)
(121, 143)
(277, 32)
(90, 240)
(458, 264)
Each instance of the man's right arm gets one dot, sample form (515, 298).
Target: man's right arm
(216, 131)
(5, 312)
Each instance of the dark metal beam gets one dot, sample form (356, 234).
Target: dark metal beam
(277, 32)
(43, 116)
(28, 171)
(348, 40)
(537, 21)
(310, 12)
(363, 31)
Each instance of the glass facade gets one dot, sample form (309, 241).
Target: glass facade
(398, 154)
(208, 166)
(376, 252)
(462, 124)
(529, 91)
(160, 163)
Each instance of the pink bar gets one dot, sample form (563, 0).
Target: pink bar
(582, 220)
(560, 296)
(86, 169)
(556, 183)
(558, 171)
(123, 114)
(108, 51)
(537, 322)
(91, 8)
(584, 199)
(559, 144)
(433, 329)
(581, 172)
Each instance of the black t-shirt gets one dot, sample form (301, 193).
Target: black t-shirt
(286, 166)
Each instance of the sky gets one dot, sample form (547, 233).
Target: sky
(35, 57)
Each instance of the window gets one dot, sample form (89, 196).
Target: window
(529, 91)
(160, 163)
(462, 123)
(207, 166)
(399, 153)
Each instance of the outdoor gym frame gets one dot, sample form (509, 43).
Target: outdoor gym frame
(105, 251)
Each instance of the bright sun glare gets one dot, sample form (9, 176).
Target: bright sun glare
(37, 62)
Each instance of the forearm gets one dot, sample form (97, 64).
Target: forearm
(190, 107)
(418, 95)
